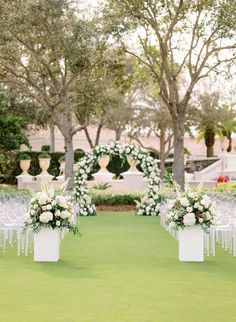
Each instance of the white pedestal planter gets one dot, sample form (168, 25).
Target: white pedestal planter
(191, 244)
(133, 180)
(47, 245)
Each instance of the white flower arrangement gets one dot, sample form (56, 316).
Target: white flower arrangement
(149, 167)
(190, 208)
(50, 210)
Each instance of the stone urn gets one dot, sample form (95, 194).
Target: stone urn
(224, 142)
(25, 165)
(44, 163)
(103, 163)
(132, 163)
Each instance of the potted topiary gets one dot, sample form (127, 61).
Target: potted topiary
(44, 162)
(25, 160)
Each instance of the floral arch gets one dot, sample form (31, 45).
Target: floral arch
(149, 204)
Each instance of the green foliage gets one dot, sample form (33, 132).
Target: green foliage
(62, 158)
(102, 186)
(186, 151)
(168, 178)
(24, 156)
(11, 128)
(45, 148)
(10, 164)
(114, 199)
(44, 156)
(118, 198)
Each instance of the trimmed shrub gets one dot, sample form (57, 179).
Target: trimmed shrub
(24, 156)
(10, 164)
(46, 148)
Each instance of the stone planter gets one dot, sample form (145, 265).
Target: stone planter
(103, 163)
(132, 163)
(44, 165)
(25, 165)
(47, 245)
(191, 244)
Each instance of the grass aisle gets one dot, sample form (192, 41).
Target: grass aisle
(123, 269)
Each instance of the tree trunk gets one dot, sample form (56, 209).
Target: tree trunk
(69, 156)
(210, 151)
(88, 137)
(162, 151)
(118, 134)
(52, 137)
(178, 165)
(209, 136)
(99, 129)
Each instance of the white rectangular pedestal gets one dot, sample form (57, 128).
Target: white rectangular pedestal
(191, 244)
(47, 245)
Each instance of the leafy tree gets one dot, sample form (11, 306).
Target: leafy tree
(177, 38)
(153, 118)
(212, 118)
(45, 50)
(11, 128)
(103, 100)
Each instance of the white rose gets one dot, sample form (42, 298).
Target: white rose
(200, 208)
(49, 207)
(65, 214)
(184, 201)
(208, 215)
(44, 208)
(43, 198)
(189, 209)
(196, 205)
(189, 219)
(58, 223)
(201, 220)
(32, 212)
(57, 213)
(46, 216)
(61, 201)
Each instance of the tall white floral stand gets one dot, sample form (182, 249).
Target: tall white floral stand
(47, 245)
(191, 244)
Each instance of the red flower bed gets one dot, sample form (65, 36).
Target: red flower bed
(222, 179)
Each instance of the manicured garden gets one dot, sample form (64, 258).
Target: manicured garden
(123, 268)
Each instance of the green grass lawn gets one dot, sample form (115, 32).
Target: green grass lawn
(124, 269)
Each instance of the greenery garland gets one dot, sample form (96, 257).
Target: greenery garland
(149, 204)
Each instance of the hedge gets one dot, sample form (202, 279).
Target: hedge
(109, 198)
(10, 165)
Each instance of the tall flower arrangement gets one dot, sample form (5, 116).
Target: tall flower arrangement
(148, 164)
(50, 209)
(190, 208)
